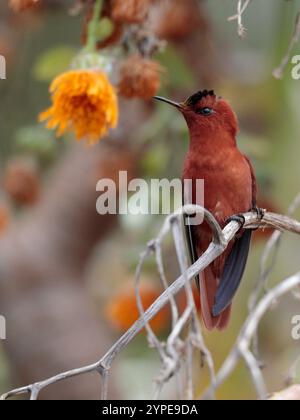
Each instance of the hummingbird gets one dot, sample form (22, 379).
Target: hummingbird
(230, 189)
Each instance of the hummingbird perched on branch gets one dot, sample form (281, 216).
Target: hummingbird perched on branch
(230, 189)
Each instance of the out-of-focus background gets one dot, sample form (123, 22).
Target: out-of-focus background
(66, 273)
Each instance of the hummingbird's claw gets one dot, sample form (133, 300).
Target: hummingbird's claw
(240, 218)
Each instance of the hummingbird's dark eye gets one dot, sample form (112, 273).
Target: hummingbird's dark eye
(205, 111)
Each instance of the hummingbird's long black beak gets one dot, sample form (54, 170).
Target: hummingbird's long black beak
(168, 101)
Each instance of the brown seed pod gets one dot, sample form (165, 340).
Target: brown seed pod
(19, 5)
(7, 45)
(4, 218)
(139, 77)
(129, 11)
(177, 19)
(21, 182)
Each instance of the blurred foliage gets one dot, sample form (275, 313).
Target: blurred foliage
(177, 71)
(36, 141)
(4, 371)
(104, 28)
(53, 62)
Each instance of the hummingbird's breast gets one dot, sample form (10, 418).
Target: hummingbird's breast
(226, 179)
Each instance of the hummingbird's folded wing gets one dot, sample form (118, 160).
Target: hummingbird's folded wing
(233, 272)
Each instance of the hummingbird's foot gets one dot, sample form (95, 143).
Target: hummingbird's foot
(260, 212)
(240, 218)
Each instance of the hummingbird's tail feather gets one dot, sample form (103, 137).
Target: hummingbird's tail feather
(208, 289)
(224, 319)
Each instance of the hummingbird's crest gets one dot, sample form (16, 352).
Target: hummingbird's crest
(194, 99)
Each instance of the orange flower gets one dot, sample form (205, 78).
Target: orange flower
(18, 5)
(130, 11)
(4, 218)
(139, 77)
(122, 311)
(83, 101)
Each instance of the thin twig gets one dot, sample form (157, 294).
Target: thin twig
(243, 341)
(270, 252)
(254, 368)
(292, 373)
(152, 339)
(241, 7)
(279, 71)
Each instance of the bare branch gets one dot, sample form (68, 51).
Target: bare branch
(172, 349)
(243, 342)
(278, 72)
(270, 252)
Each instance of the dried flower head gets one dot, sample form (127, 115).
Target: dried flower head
(177, 19)
(129, 11)
(21, 182)
(122, 311)
(84, 102)
(19, 5)
(4, 218)
(139, 77)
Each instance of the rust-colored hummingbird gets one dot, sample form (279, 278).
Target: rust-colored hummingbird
(229, 189)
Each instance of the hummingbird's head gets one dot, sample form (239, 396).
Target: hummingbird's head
(205, 111)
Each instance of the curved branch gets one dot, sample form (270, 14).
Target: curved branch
(215, 249)
(241, 348)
